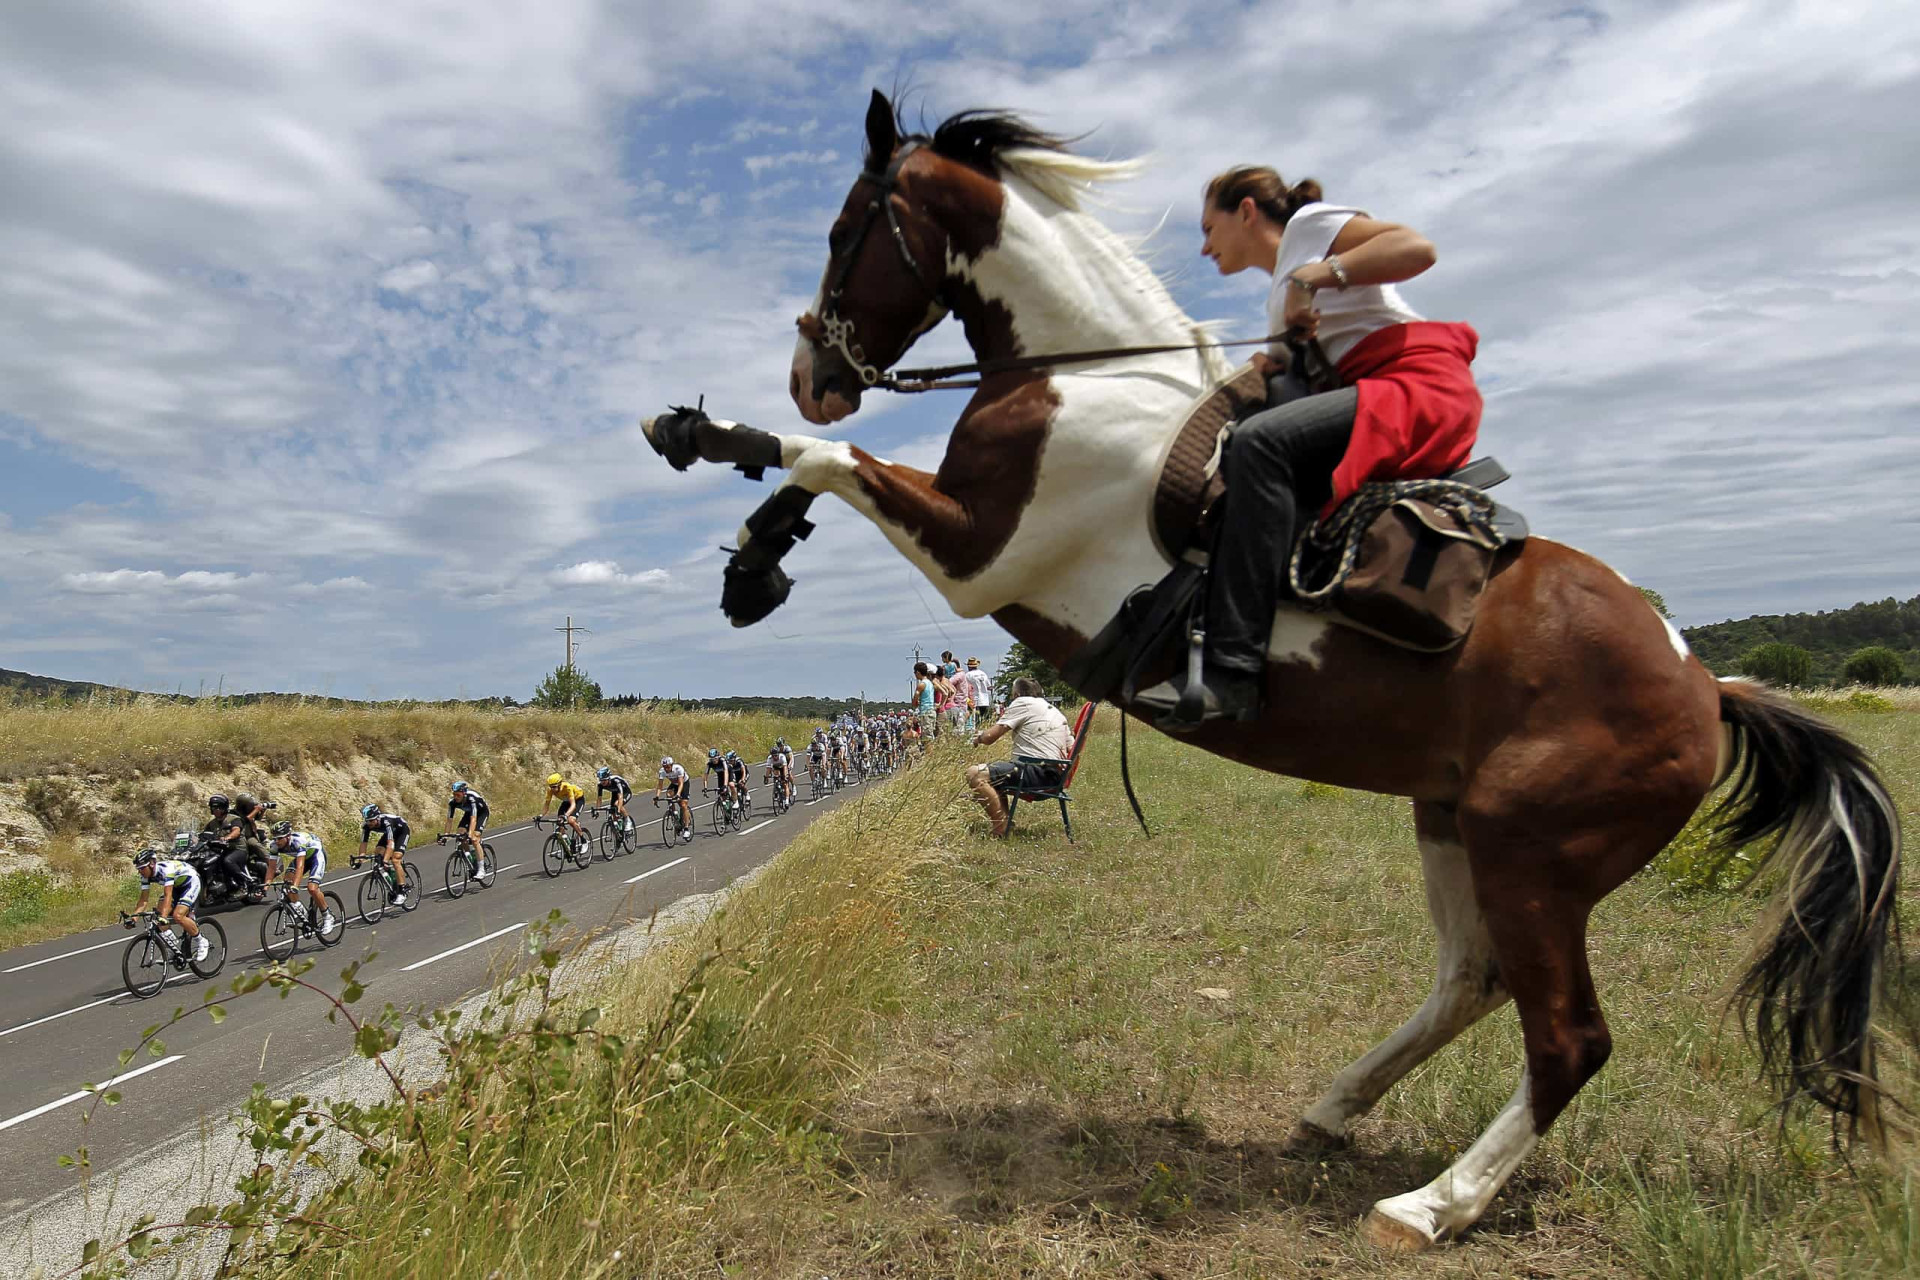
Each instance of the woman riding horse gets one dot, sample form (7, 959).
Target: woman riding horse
(1407, 406)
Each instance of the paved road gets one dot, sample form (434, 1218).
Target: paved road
(65, 1015)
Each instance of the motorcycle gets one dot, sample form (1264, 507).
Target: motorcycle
(208, 856)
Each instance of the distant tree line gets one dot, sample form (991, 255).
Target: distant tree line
(1876, 642)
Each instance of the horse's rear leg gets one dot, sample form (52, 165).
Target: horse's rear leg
(1466, 988)
(1539, 930)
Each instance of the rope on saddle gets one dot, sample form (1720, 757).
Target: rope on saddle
(1347, 528)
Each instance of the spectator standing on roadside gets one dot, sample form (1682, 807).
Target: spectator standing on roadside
(924, 693)
(1038, 730)
(980, 704)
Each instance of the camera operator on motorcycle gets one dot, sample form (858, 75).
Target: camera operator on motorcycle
(229, 831)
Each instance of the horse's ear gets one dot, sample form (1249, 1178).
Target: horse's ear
(882, 137)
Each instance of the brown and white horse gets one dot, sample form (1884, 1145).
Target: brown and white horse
(1549, 757)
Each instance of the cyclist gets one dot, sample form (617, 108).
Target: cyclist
(179, 890)
(674, 784)
(473, 813)
(611, 781)
(717, 765)
(837, 755)
(226, 827)
(570, 798)
(391, 848)
(304, 859)
(737, 778)
(857, 743)
(817, 757)
(780, 768)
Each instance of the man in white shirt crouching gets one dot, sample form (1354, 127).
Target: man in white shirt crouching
(1038, 730)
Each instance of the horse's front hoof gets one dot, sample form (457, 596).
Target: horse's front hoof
(1310, 1140)
(1393, 1235)
(748, 595)
(672, 435)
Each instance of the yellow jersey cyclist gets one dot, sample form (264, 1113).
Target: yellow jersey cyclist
(621, 789)
(179, 890)
(674, 784)
(390, 848)
(303, 859)
(467, 812)
(570, 798)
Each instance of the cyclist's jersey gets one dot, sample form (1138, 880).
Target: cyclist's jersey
(391, 828)
(566, 793)
(469, 802)
(180, 875)
(675, 778)
(736, 770)
(717, 764)
(302, 845)
(817, 748)
(615, 783)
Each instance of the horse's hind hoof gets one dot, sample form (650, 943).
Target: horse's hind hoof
(1393, 1235)
(1310, 1140)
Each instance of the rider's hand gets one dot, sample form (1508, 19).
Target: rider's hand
(1301, 318)
(1265, 365)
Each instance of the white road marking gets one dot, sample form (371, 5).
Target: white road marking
(63, 956)
(657, 870)
(52, 1016)
(750, 830)
(465, 946)
(57, 1103)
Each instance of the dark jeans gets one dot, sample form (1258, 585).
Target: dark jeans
(1279, 463)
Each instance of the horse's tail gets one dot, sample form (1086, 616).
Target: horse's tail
(1810, 989)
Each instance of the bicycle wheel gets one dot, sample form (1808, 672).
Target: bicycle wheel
(553, 854)
(144, 966)
(216, 960)
(489, 867)
(626, 837)
(459, 871)
(582, 852)
(717, 817)
(280, 932)
(373, 896)
(414, 890)
(609, 835)
(738, 818)
(670, 826)
(331, 937)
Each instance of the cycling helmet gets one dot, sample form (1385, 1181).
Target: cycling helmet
(713, 753)
(367, 811)
(459, 788)
(217, 803)
(146, 856)
(281, 829)
(666, 762)
(733, 755)
(554, 779)
(604, 773)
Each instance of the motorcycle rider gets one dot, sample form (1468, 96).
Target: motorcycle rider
(227, 827)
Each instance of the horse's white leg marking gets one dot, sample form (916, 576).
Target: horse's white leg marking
(1465, 990)
(1455, 1200)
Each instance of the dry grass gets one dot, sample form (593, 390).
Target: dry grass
(911, 1051)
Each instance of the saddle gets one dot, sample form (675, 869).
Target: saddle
(1403, 561)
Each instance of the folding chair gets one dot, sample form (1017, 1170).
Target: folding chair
(1071, 766)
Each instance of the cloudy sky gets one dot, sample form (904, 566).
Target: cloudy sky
(325, 327)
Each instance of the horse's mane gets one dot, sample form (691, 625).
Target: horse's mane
(1000, 141)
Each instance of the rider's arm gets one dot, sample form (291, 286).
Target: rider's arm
(990, 735)
(299, 868)
(1372, 252)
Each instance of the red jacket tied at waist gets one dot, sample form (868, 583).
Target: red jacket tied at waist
(1419, 410)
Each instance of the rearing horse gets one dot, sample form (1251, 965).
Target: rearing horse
(1549, 757)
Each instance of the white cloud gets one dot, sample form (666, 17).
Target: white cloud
(606, 573)
(409, 276)
(757, 165)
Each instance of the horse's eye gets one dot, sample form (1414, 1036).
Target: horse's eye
(836, 241)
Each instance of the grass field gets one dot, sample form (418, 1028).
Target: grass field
(909, 1050)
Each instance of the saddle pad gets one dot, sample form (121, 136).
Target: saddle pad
(1190, 469)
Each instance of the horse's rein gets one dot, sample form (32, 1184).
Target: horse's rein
(943, 377)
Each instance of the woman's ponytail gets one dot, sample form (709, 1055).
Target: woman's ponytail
(1264, 186)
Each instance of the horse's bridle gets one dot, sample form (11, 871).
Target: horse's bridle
(838, 333)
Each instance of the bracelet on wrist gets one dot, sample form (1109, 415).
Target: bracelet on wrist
(1339, 271)
(1297, 281)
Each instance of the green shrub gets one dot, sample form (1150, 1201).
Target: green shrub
(24, 896)
(1776, 663)
(56, 804)
(1866, 700)
(1875, 664)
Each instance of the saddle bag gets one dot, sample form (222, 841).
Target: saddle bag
(1417, 576)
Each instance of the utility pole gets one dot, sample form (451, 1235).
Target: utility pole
(573, 694)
